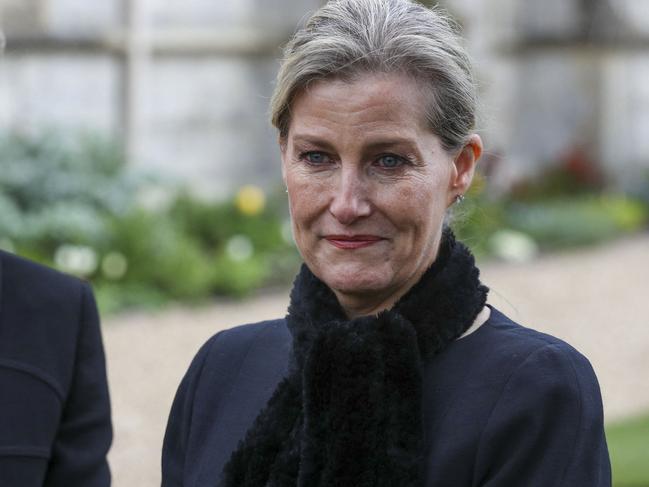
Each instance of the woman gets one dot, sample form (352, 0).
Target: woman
(389, 370)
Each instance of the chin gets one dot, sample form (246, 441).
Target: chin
(355, 279)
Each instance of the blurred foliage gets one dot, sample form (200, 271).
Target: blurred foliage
(639, 187)
(628, 444)
(574, 174)
(566, 205)
(582, 220)
(72, 204)
(52, 192)
(478, 217)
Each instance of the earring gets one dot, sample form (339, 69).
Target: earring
(459, 198)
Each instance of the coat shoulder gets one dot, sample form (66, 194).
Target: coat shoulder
(504, 392)
(229, 381)
(241, 354)
(236, 342)
(507, 342)
(549, 384)
(21, 277)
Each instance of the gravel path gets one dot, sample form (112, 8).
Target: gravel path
(596, 299)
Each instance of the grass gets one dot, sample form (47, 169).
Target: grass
(628, 443)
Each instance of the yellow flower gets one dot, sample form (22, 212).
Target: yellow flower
(250, 200)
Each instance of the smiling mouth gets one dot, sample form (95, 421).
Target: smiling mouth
(350, 242)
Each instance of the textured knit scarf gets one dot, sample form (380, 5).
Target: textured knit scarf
(350, 413)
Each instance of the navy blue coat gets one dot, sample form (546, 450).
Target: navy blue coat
(55, 426)
(505, 406)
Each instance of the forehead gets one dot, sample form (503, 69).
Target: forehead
(374, 102)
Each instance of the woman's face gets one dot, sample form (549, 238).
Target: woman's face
(368, 186)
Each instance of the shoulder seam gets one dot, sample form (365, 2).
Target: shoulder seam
(537, 335)
(37, 373)
(25, 451)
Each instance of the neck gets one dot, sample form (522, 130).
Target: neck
(355, 306)
(372, 303)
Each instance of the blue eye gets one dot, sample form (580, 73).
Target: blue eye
(390, 161)
(315, 157)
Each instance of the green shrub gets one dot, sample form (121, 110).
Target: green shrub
(478, 217)
(574, 173)
(578, 221)
(72, 204)
(551, 222)
(115, 297)
(161, 255)
(54, 191)
(237, 278)
(214, 224)
(42, 170)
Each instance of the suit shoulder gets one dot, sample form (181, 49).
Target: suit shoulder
(17, 272)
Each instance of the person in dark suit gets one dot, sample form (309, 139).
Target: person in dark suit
(55, 420)
(389, 369)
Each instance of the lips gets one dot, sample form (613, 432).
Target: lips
(350, 242)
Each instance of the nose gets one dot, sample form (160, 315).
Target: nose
(351, 196)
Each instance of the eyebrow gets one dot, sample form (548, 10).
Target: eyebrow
(313, 140)
(378, 144)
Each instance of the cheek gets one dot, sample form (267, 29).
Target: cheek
(306, 199)
(421, 205)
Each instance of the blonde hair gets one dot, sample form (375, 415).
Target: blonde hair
(348, 38)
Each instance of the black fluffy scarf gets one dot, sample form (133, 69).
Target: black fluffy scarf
(349, 413)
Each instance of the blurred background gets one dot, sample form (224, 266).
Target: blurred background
(135, 151)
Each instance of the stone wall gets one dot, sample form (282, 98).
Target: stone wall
(561, 76)
(191, 103)
(187, 86)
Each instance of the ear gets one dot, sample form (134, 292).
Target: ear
(464, 167)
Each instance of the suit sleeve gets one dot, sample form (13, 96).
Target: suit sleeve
(85, 431)
(547, 426)
(174, 447)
